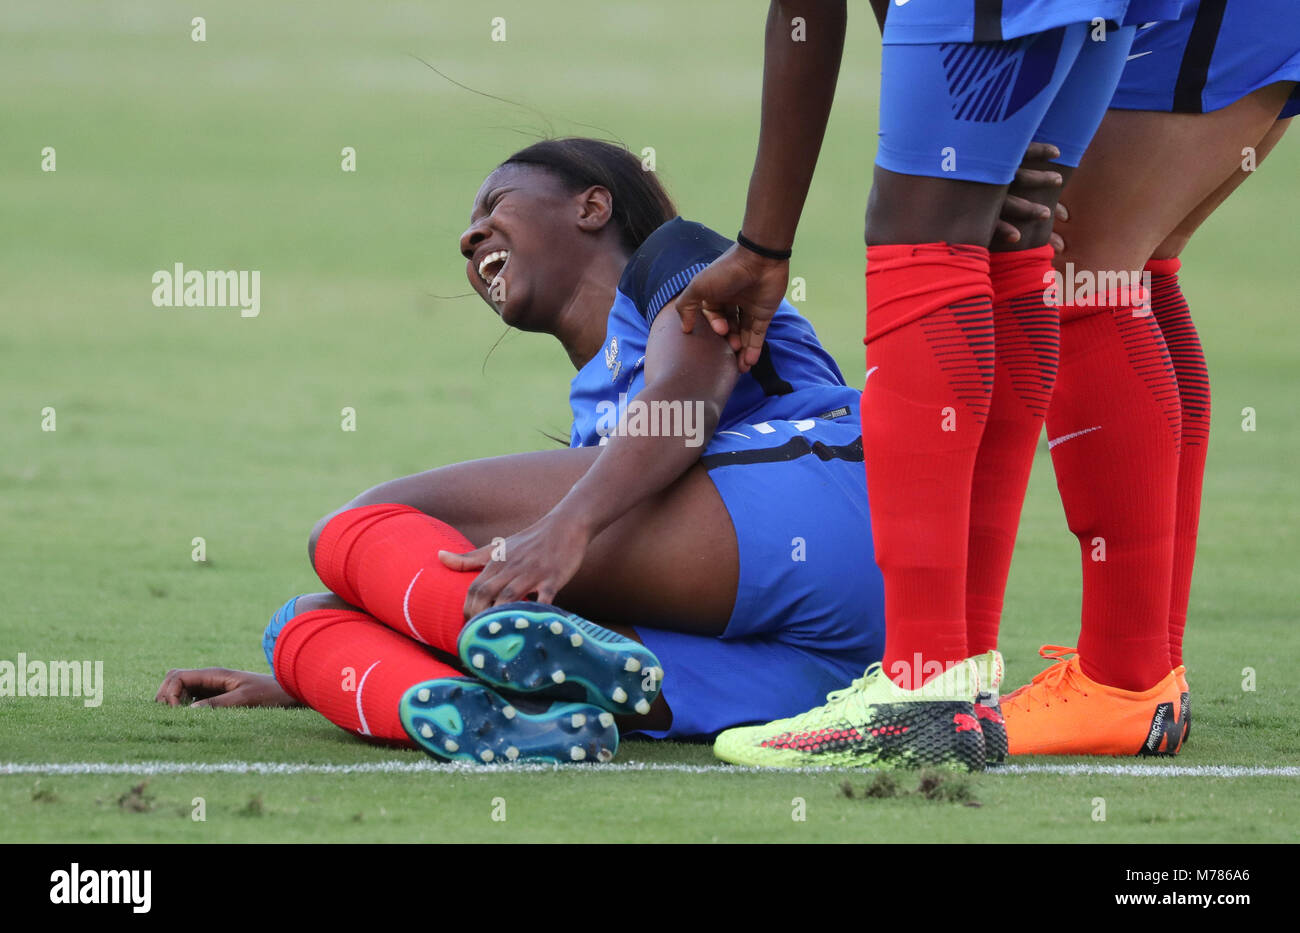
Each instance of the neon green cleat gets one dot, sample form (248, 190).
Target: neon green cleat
(873, 723)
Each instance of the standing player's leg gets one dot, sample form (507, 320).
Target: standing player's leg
(1172, 314)
(1027, 341)
(962, 114)
(956, 119)
(1120, 409)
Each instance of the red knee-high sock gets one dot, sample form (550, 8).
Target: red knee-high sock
(384, 559)
(1194, 393)
(929, 380)
(1027, 337)
(1113, 427)
(352, 670)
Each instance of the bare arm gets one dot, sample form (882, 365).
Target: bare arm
(689, 376)
(693, 370)
(801, 66)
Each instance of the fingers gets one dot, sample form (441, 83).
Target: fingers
(1038, 178)
(1006, 232)
(499, 584)
(181, 685)
(473, 560)
(1042, 152)
(1016, 208)
(1058, 244)
(1062, 212)
(687, 304)
(170, 691)
(720, 322)
(753, 330)
(221, 699)
(493, 587)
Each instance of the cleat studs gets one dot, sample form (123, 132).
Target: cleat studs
(642, 706)
(632, 665)
(478, 661)
(508, 712)
(576, 640)
(521, 623)
(619, 695)
(426, 730)
(487, 755)
(604, 755)
(494, 627)
(423, 695)
(579, 720)
(556, 628)
(558, 677)
(451, 746)
(577, 753)
(605, 719)
(512, 753)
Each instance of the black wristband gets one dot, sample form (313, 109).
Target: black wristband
(779, 254)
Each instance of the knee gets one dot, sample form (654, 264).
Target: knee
(316, 532)
(372, 496)
(390, 494)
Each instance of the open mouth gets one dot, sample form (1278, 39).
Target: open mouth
(492, 265)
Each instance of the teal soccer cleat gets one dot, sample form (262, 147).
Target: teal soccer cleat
(534, 648)
(458, 719)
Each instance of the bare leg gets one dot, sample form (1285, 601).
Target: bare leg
(917, 209)
(671, 562)
(1147, 175)
(1126, 205)
(1174, 244)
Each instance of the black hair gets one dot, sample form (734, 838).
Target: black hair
(641, 205)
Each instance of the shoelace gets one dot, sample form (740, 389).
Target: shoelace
(838, 698)
(1046, 682)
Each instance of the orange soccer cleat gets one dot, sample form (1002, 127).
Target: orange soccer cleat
(1184, 705)
(1064, 712)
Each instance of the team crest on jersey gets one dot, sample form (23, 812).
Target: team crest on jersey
(611, 359)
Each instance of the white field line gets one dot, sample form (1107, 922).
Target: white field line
(431, 767)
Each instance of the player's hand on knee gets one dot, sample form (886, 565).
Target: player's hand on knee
(1019, 206)
(535, 563)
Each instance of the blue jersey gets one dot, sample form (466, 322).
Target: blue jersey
(912, 22)
(795, 378)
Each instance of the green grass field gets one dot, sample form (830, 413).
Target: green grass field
(181, 423)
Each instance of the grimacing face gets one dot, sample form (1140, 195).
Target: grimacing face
(521, 244)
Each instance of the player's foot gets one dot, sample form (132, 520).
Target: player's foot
(1185, 705)
(1062, 711)
(988, 708)
(535, 648)
(462, 720)
(873, 723)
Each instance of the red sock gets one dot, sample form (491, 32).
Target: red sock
(1027, 337)
(384, 559)
(352, 670)
(1194, 393)
(929, 380)
(1113, 427)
